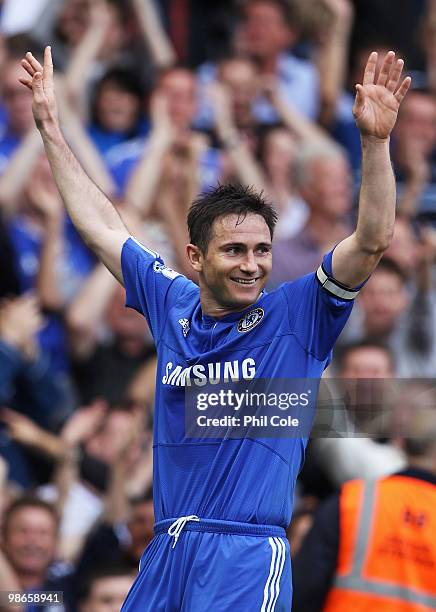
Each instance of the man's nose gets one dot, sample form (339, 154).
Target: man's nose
(249, 265)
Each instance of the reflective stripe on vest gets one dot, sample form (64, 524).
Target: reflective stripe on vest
(355, 580)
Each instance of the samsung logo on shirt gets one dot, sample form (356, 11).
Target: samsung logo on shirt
(210, 373)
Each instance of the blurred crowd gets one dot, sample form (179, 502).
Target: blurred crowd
(161, 100)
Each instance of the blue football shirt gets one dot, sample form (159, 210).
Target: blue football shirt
(247, 480)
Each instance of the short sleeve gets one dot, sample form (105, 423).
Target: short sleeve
(151, 287)
(319, 307)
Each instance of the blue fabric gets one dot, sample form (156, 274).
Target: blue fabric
(227, 479)
(105, 140)
(212, 571)
(27, 244)
(245, 480)
(8, 144)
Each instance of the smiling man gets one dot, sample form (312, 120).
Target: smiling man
(221, 505)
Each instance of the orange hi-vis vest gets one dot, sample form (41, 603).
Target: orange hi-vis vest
(387, 547)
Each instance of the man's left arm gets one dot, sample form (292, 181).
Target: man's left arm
(375, 111)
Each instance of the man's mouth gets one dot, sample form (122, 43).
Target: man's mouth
(245, 281)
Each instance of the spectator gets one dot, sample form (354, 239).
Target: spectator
(239, 76)
(26, 382)
(413, 153)
(348, 454)
(279, 154)
(176, 93)
(268, 30)
(323, 177)
(117, 110)
(372, 547)
(17, 103)
(49, 255)
(30, 532)
(388, 311)
(105, 370)
(119, 542)
(105, 589)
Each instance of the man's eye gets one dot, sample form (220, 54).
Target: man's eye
(233, 250)
(264, 250)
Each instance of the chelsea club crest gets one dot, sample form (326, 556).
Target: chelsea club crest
(250, 320)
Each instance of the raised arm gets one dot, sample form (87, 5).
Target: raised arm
(160, 47)
(375, 110)
(92, 213)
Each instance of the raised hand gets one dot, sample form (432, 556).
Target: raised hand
(41, 84)
(377, 103)
(20, 428)
(83, 423)
(20, 321)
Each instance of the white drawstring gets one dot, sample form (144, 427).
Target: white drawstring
(176, 528)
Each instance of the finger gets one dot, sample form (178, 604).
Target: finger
(27, 67)
(359, 102)
(386, 68)
(33, 62)
(369, 74)
(404, 88)
(395, 75)
(38, 90)
(26, 82)
(48, 68)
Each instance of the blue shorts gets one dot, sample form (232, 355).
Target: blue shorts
(219, 566)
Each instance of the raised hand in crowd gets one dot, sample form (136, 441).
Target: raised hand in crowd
(155, 37)
(242, 162)
(306, 131)
(332, 57)
(20, 321)
(25, 431)
(83, 423)
(85, 53)
(142, 186)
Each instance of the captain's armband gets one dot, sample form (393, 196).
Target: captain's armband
(334, 287)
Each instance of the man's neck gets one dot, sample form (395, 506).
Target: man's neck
(211, 308)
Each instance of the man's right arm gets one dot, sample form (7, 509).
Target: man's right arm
(92, 213)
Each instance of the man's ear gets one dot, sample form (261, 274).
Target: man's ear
(195, 257)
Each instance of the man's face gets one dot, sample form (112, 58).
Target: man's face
(30, 540)
(265, 29)
(235, 268)
(240, 77)
(327, 187)
(107, 594)
(117, 109)
(367, 362)
(107, 443)
(383, 300)
(416, 125)
(179, 88)
(279, 154)
(17, 99)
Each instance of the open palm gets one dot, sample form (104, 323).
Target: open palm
(377, 103)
